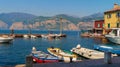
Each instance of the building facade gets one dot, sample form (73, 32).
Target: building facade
(112, 19)
(98, 26)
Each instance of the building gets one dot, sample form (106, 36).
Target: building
(98, 26)
(112, 19)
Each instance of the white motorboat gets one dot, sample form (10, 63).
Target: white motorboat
(29, 36)
(6, 39)
(114, 35)
(44, 36)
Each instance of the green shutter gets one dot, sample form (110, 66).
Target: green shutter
(109, 25)
(117, 25)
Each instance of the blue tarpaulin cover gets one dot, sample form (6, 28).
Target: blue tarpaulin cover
(107, 49)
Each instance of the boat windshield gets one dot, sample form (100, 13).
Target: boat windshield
(113, 32)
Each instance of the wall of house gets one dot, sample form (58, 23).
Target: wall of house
(99, 24)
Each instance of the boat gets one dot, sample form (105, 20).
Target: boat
(5, 39)
(87, 53)
(54, 36)
(29, 36)
(26, 36)
(114, 35)
(33, 36)
(90, 53)
(44, 36)
(67, 57)
(42, 57)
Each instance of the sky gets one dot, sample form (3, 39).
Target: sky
(78, 8)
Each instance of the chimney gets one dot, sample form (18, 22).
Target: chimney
(116, 5)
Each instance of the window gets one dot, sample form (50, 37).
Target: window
(118, 25)
(103, 25)
(118, 14)
(108, 25)
(98, 25)
(109, 16)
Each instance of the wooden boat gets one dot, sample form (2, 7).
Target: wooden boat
(41, 57)
(67, 57)
(88, 53)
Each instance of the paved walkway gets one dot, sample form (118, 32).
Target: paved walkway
(86, 63)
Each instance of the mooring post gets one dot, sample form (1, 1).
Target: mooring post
(107, 57)
(71, 59)
(29, 61)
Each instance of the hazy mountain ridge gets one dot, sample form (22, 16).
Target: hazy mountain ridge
(91, 18)
(23, 21)
(10, 18)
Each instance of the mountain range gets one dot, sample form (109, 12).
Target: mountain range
(21, 21)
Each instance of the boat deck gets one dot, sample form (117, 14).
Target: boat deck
(89, 53)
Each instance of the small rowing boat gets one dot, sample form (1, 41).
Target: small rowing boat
(41, 57)
(66, 56)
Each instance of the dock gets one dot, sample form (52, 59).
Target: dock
(20, 35)
(89, 53)
(115, 62)
(85, 63)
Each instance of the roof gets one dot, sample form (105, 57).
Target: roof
(116, 8)
(113, 10)
(99, 20)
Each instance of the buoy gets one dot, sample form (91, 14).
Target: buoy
(33, 49)
(78, 46)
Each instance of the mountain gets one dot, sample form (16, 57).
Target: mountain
(17, 20)
(10, 18)
(72, 19)
(41, 18)
(91, 18)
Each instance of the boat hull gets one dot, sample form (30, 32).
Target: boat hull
(67, 57)
(43, 60)
(113, 39)
(5, 40)
(41, 57)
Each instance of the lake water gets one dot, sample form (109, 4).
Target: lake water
(15, 53)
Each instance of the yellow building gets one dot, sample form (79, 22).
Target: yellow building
(112, 18)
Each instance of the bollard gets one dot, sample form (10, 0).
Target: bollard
(71, 59)
(107, 57)
(29, 61)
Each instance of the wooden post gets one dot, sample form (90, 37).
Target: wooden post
(29, 61)
(107, 57)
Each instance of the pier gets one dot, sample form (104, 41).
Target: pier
(20, 35)
(85, 63)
